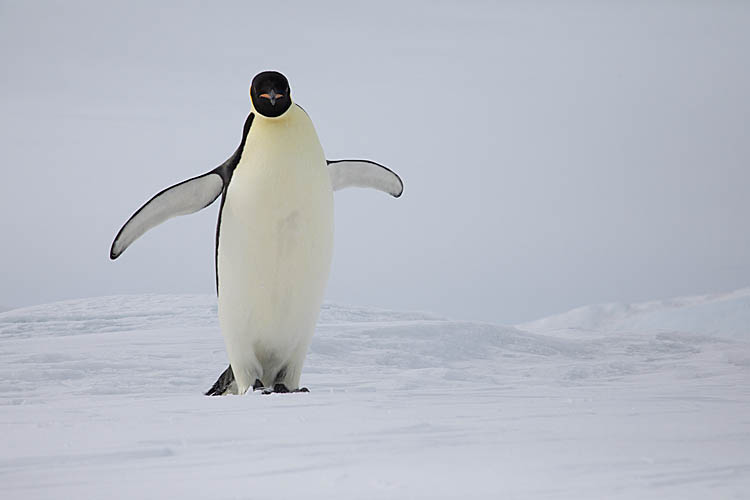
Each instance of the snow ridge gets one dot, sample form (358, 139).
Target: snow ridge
(725, 314)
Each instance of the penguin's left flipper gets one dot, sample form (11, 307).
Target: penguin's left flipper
(366, 174)
(181, 199)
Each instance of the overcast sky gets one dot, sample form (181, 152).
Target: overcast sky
(553, 155)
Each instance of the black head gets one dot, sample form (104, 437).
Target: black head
(270, 94)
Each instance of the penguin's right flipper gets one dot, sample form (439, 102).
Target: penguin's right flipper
(224, 385)
(181, 199)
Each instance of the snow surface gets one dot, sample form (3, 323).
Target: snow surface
(101, 398)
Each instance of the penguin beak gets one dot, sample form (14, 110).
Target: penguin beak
(272, 96)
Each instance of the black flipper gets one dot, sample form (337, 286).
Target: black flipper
(223, 384)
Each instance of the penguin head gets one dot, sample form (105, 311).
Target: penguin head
(270, 94)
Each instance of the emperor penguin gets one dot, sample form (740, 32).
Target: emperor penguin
(274, 236)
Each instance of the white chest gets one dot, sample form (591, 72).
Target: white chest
(276, 239)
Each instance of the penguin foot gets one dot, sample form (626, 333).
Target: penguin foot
(226, 384)
(282, 389)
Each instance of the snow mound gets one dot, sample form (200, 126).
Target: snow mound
(726, 315)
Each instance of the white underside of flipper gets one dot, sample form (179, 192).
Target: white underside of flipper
(275, 248)
(181, 199)
(364, 174)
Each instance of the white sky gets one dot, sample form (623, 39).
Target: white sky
(553, 155)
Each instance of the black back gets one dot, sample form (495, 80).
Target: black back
(225, 170)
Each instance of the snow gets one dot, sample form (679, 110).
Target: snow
(101, 398)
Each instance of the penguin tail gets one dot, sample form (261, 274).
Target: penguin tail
(224, 385)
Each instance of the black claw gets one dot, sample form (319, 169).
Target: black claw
(280, 388)
(257, 384)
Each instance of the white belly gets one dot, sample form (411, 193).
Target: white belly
(275, 246)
